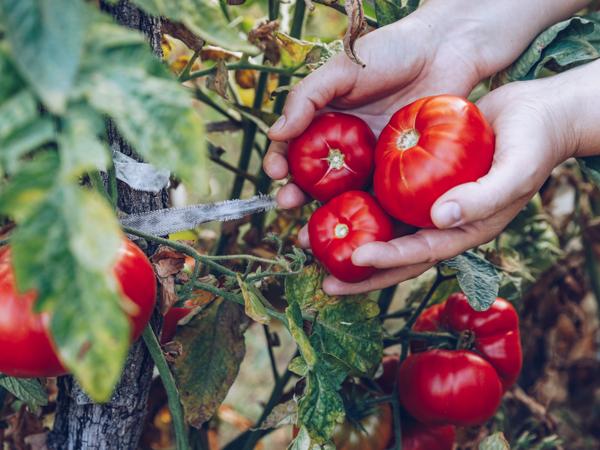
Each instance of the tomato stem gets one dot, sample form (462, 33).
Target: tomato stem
(408, 139)
(335, 159)
(341, 230)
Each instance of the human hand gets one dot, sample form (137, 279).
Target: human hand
(538, 125)
(444, 47)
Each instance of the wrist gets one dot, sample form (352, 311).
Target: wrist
(492, 34)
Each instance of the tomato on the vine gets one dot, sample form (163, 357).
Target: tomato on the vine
(419, 436)
(441, 387)
(333, 155)
(26, 346)
(342, 225)
(495, 332)
(427, 148)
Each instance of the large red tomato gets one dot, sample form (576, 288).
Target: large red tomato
(342, 225)
(495, 331)
(334, 155)
(427, 148)
(440, 387)
(26, 347)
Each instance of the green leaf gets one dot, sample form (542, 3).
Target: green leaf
(350, 331)
(57, 252)
(18, 110)
(28, 390)
(389, 11)
(496, 441)
(29, 187)
(295, 325)
(565, 43)
(298, 366)
(321, 407)
(304, 288)
(23, 141)
(212, 351)
(253, 302)
(10, 81)
(204, 18)
(478, 279)
(80, 148)
(46, 39)
(156, 116)
(591, 166)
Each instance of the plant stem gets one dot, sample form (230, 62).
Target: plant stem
(397, 314)
(166, 376)
(234, 169)
(271, 354)
(183, 248)
(273, 9)
(243, 65)
(202, 96)
(340, 8)
(113, 190)
(385, 299)
(411, 321)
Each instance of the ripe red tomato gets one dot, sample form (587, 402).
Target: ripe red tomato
(170, 321)
(427, 148)
(26, 347)
(372, 432)
(334, 155)
(496, 332)
(441, 387)
(342, 225)
(418, 436)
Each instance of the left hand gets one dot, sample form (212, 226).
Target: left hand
(538, 126)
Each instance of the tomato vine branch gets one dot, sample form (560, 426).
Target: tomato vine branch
(244, 65)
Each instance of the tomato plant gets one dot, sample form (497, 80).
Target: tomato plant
(418, 436)
(495, 332)
(342, 225)
(427, 148)
(334, 155)
(26, 347)
(449, 387)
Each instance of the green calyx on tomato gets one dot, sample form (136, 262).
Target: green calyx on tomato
(493, 334)
(428, 148)
(342, 225)
(333, 155)
(441, 387)
(26, 345)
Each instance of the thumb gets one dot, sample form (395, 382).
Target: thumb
(519, 169)
(332, 80)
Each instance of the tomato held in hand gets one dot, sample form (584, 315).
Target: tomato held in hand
(427, 148)
(334, 155)
(342, 225)
(441, 387)
(496, 335)
(26, 347)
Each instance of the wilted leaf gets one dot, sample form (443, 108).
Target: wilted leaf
(496, 441)
(350, 331)
(212, 350)
(28, 390)
(293, 51)
(356, 25)
(253, 302)
(478, 279)
(283, 414)
(263, 37)
(46, 40)
(295, 325)
(302, 441)
(217, 81)
(167, 264)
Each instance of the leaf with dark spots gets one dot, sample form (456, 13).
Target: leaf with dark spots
(212, 349)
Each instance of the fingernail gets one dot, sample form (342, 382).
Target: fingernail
(447, 215)
(278, 125)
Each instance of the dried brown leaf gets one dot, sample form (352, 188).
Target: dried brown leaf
(217, 81)
(263, 37)
(181, 32)
(167, 264)
(356, 25)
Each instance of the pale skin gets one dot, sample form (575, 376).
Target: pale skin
(447, 47)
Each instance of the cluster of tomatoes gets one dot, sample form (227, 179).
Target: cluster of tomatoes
(427, 148)
(27, 348)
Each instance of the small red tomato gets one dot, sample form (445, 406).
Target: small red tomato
(390, 372)
(170, 321)
(342, 225)
(441, 387)
(26, 345)
(334, 155)
(427, 148)
(495, 331)
(418, 436)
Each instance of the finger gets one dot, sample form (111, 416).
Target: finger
(291, 196)
(303, 237)
(425, 246)
(380, 280)
(521, 165)
(314, 92)
(275, 162)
